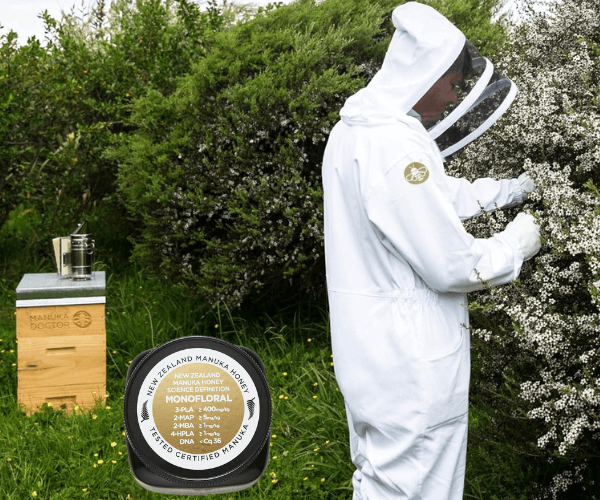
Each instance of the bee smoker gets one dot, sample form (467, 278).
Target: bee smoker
(75, 255)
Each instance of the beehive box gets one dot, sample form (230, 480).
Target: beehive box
(61, 341)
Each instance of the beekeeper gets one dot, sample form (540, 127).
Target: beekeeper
(399, 261)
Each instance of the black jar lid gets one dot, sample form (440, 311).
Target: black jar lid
(197, 413)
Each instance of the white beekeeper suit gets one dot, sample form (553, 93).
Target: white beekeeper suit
(399, 266)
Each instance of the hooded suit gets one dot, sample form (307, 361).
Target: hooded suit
(399, 265)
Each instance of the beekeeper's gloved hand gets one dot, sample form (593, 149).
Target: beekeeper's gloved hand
(527, 232)
(527, 185)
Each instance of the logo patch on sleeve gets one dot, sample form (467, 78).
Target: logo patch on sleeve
(416, 173)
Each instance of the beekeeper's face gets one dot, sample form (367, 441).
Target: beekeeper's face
(441, 94)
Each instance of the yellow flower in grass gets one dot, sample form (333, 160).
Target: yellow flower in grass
(113, 444)
(100, 462)
(34, 494)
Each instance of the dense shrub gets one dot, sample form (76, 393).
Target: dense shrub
(62, 105)
(225, 172)
(538, 341)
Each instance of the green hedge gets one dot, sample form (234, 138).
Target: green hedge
(225, 172)
(64, 104)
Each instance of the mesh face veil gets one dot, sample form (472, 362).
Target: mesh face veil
(482, 97)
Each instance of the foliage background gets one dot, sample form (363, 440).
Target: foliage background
(224, 173)
(64, 104)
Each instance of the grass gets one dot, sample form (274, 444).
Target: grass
(50, 455)
(84, 455)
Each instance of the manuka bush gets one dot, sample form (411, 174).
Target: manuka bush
(538, 340)
(225, 173)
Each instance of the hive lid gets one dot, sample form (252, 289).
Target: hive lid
(52, 286)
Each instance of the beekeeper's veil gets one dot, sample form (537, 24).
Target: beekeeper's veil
(425, 47)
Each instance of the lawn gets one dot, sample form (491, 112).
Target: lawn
(50, 455)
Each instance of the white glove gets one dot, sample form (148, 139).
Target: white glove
(527, 233)
(527, 185)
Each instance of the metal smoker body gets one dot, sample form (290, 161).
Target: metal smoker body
(75, 255)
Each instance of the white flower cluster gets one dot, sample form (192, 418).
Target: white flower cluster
(561, 482)
(546, 327)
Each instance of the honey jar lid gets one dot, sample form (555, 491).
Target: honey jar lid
(197, 413)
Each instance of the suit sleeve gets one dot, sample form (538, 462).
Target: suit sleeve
(468, 196)
(416, 219)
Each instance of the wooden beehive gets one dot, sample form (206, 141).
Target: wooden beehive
(61, 341)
